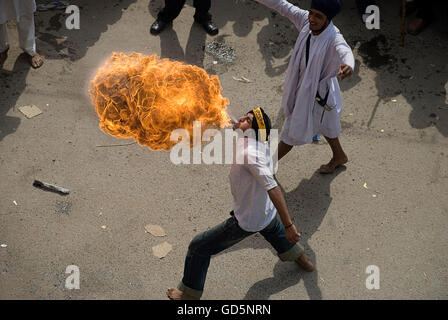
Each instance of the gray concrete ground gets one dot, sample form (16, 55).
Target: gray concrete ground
(395, 122)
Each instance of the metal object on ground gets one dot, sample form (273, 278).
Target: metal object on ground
(50, 187)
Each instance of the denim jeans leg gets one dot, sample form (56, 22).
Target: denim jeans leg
(200, 250)
(275, 234)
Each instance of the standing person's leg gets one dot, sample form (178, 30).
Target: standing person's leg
(339, 157)
(202, 7)
(203, 17)
(423, 18)
(171, 10)
(4, 47)
(200, 250)
(27, 39)
(275, 234)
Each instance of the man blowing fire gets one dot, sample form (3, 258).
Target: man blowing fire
(257, 200)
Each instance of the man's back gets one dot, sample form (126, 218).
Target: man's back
(251, 176)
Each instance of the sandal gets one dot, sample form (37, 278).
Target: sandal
(330, 167)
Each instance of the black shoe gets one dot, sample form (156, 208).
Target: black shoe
(209, 27)
(158, 26)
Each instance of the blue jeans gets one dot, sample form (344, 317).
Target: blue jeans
(221, 237)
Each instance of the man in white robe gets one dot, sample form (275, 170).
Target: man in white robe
(23, 12)
(320, 55)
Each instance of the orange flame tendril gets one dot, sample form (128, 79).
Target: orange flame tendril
(146, 98)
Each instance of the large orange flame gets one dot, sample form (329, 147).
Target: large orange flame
(146, 98)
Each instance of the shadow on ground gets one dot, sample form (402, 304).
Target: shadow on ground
(54, 41)
(308, 205)
(12, 84)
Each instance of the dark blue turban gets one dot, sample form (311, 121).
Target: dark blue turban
(329, 7)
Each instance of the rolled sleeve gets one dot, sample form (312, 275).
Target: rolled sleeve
(263, 174)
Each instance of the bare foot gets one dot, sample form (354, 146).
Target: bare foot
(3, 56)
(305, 263)
(416, 26)
(176, 294)
(36, 61)
(333, 165)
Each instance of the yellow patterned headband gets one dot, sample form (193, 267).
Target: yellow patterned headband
(260, 121)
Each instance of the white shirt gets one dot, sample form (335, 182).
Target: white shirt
(14, 9)
(249, 183)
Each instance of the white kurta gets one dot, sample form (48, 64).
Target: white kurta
(328, 50)
(23, 12)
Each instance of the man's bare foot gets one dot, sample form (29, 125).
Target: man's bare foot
(3, 56)
(36, 61)
(176, 294)
(333, 165)
(305, 263)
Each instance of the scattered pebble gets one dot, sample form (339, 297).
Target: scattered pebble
(220, 50)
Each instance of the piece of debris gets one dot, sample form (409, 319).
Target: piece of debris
(443, 108)
(365, 185)
(374, 195)
(116, 145)
(50, 187)
(161, 250)
(3, 245)
(103, 227)
(382, 130)
(215, 62)
(220, 50)
(155, 230)
(15, 202)
(394, 100)
(242, 79)
(30, 111)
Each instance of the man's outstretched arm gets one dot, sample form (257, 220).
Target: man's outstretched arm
(288, 10)
(279, 202)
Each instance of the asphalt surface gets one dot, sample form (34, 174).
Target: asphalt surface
(388, 207)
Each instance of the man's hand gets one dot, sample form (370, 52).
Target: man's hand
(344, 71)
(292, 235)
